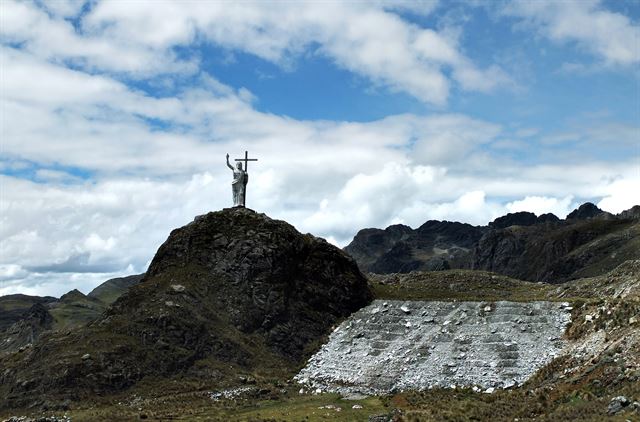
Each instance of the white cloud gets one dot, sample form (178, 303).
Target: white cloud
(622, 194)
(138, 38)
(54, 38)
(327, 178)
(541, 205)
(65, 8)
(155, 162)
(612, 37)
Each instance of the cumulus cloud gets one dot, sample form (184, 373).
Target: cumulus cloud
(365, 38)
(98, 172)
(610, 36)
(622, 194)
(541, 205)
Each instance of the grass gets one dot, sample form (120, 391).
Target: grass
(272, 404)
(563, 402)
(456, 285)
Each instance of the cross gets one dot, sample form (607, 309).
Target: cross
(246, 159)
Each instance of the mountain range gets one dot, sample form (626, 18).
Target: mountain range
(589, 242)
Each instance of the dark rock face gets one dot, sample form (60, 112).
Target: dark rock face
(590, 242)
(13, 308)
(370, 244)
(26, 331)
(435, 245)
(522, 218)
(233, 289)
(585, 211)
(631, 213)
(548, 218)
(559, 252)
(269, 278)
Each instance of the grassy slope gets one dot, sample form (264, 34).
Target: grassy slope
(109, 291)
(456, 285)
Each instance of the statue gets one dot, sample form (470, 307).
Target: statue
(240, 179)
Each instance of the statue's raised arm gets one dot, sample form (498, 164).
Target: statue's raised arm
(229, 165)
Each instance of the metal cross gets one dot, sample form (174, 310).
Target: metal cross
(246, 159)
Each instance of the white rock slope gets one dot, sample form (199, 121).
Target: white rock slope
(401, 345)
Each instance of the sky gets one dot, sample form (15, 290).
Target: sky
(116, 116)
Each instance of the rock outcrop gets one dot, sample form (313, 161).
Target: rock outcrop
(559, 252)
(435, 245)
(27, 330)
(522, 218)
(586, 211)
(13, 308)
(232, 291)
(588, 243)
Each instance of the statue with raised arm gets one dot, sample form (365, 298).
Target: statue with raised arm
(239, 184)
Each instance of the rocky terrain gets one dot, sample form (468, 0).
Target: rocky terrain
(589, 242)
(392, 346)
(240, 317)
(232, 292)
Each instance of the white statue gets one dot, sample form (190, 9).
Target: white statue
(240, 179)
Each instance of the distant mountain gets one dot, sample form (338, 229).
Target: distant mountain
(109, 291)
(24, 318)
(589, 242)
(232, 292)
(14, 307)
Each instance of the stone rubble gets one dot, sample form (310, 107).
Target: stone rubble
(232, 393)
(417, 345)
(617, 404)
(38, 419)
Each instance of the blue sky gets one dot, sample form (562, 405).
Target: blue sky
(116, 117)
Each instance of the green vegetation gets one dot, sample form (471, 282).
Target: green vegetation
(456, 285)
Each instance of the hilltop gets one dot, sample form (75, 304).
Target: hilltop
(233, 292)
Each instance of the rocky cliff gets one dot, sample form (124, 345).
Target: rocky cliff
(232, 292)
(589, 242)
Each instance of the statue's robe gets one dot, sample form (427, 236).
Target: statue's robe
(239, 185)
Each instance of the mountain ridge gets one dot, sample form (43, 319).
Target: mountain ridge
(589, 242)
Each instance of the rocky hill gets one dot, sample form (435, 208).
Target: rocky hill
(23, 319)
(589, 242)
(15, 307)
(112, 289)
(232, 292)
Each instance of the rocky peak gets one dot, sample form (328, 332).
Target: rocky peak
(72, 296)
(521, 218)
(548, 218)
(631, 213)
(585, 211)
(264, 275)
